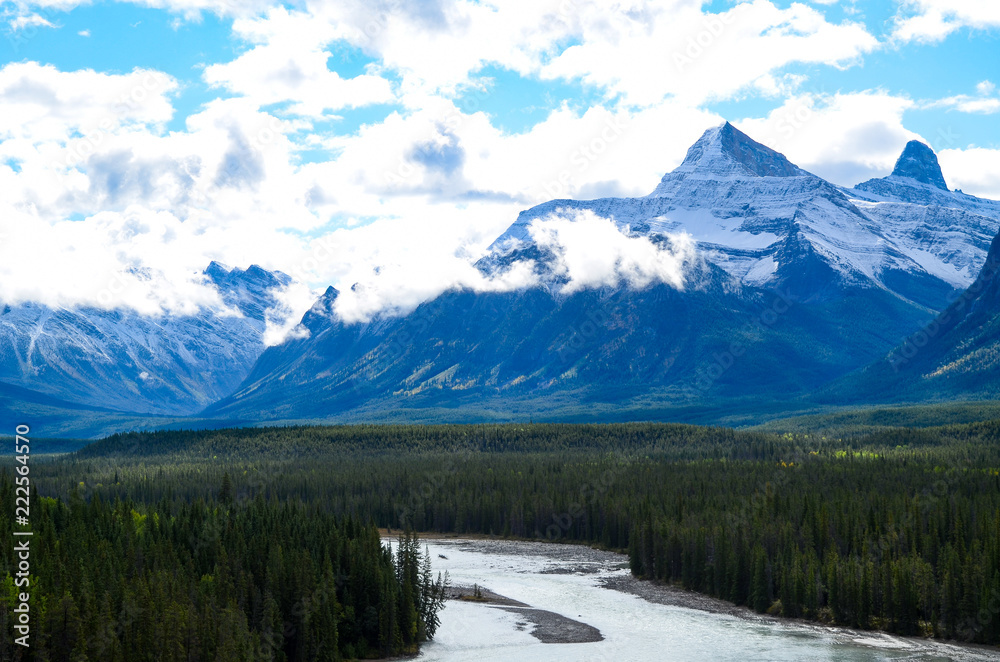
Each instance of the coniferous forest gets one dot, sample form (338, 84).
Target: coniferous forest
(262, 544)
(116, 578)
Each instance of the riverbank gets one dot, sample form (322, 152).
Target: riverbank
(608, 571)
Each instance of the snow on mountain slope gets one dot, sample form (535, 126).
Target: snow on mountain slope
(946, 232)
(765, 221)
(796, 285)
(948, 243)
(120, 360)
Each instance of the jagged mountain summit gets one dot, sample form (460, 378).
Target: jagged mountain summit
(120, 360)
(918, 179)
(723, 152)
(946, 232)
(771, 224)
(919, 162)
(796, 283)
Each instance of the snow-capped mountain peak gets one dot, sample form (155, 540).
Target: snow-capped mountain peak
(768, 223)
(119, 359)
(847, 272)
(726, 152)
(919, 162)
(946, 232)
(251, 291)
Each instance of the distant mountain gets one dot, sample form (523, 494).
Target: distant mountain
(946, 232)
(956, 356)
(120, 360)
(49, 417)
(797, 282)
(917, 163)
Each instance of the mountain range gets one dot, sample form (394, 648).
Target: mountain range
(783, 290)
(119, 360)
(796, 283)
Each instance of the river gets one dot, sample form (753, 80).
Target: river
(564, 584)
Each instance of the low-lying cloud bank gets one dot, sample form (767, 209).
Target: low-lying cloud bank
(584, 251)
(138, 261)
(591, 251)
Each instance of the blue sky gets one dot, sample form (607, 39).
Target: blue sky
(122, 36)
(329, 138)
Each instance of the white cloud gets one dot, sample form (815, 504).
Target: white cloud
(974, 170)
(591, 252)
(289, 64)
(84, 33)
(968, 104)
(849, 138)
(190, 9)
(39, 102)
(640, 51)
(455, 157)
(436, 46)
(24, 21)
(681, 51)
(137, 259)
(984, 104)
(151, 209)
(418, 196)
(393, 265)
(411, 266)
(846, 138)
(281, 321)
(933, 20)
(54, 122)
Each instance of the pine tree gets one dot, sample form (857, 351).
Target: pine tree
(226, 491)
(759, 598)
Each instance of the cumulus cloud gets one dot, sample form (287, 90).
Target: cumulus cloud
(436, 46)
(393, 265)
(455, 156)
(699, 56)
(282, 321)
(640, 52)
(974, 170)
(933, 20)
(289, 64)
(591, 252)
(585, 251)
(135, 260)
(403, 210)
(968, 104)
(850, 138)
(189, 9)
(845, 138)
(103, 207)
(40, 102)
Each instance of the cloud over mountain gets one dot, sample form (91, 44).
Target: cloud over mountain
(385, 144)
